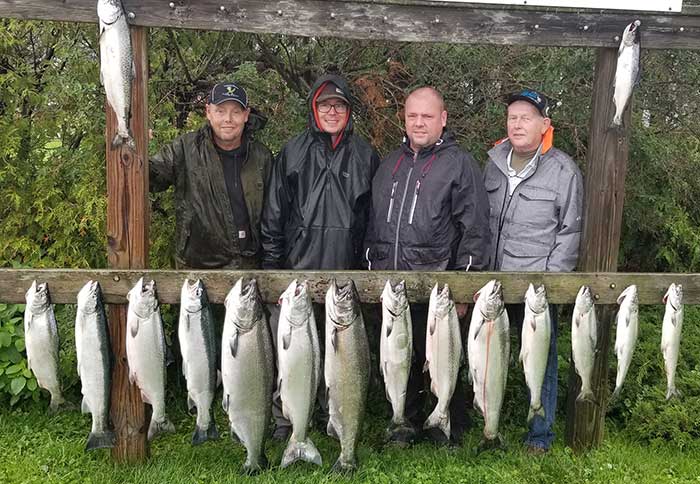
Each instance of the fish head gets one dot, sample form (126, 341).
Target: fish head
(109, 11)
(481, 293)
(296, 303)
(394, 298)
(584, 300)
(492, 302)
(246, 305)
(193, 296)
(143, 297)
(536, 298)
(629, 294)
(441, 300)
(631, 34)
(674, 296)
(88, 297)
(38, 298)
(342, 303)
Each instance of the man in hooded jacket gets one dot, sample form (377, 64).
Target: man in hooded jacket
(317, 206)
(429, 213)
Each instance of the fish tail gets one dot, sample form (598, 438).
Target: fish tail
(345, 466)
(120, 140)
(201, 434)
(535, 410)
(59, 404)
(586, 395)
(616, 394)
(101, 440)
(439, 420)
(159, 427)
(672, 392)
(305, 451)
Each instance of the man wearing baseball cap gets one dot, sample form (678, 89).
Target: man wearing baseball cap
(219, 173)
(536, 197)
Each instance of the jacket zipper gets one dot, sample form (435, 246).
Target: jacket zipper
(413, 204)
(398, 222)
(391, 201)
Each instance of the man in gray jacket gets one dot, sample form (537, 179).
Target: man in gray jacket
(535, 193)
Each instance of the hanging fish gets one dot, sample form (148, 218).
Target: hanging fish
(671, 336)
(627, 73)
(626, 334)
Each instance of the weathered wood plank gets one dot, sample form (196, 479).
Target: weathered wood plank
(561, 287)
(606, 167)
(409, 21)
(127, 248)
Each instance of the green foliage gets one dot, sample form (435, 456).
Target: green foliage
(16, 380)
(643, 411)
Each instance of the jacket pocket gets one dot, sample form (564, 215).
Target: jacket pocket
(376, 257)
(537, 206)
(426, 258)
(524, 256)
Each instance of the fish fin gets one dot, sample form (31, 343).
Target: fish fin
(233, 344)
(389, 327)
(184, 369)
(145, 399)
(440, 421)
(616, 394)
(533, 324)
(673, 393)
(426, 366)
(482, 322)
(305, 451)
(156, 428)
(522, 355)
(674, 319)
(187, 321)
(225, 402)
(627, 320)
(586, 395)
(102, 79)
(433, 326)
(334, 339)
(201, 435)
(134, 327)
(287, 340)
(101, 440)
(191, 405)
(330, 430)
(535, 411)
(219, 378)
(84, 407)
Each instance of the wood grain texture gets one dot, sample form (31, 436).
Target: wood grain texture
(561, 287)
(127, 248)
(409, 21)
(606, 167)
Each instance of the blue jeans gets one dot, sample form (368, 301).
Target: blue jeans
(540, 433)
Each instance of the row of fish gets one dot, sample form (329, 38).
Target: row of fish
(247, 357)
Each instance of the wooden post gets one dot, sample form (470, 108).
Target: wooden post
(127, 246)
(606, 166)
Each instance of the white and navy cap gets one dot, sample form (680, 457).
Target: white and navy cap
(228, 91)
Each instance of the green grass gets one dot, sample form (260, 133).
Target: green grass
(39, 448)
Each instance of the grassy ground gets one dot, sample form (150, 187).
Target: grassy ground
(38, 448)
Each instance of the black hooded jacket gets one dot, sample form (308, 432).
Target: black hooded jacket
(205, 233)
(317, 205)
(429, 211)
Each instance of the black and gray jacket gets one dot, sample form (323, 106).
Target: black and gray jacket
(429, 211)
(317, 206)
(538, 228)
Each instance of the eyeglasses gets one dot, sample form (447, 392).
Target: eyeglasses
(340, 108)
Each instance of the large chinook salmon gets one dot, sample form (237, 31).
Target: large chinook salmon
(534, 352)
(443, 355)
(489, 354)
(116, 65)
(299, 367)
(584, 341)
(346, 370)
(395, 354)
(94, 353)
(625, 334)
(671, 336)
(41, 342)
(145, 353)
(199, 355)
(247, 370)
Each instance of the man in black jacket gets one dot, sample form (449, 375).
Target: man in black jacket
(317, 205)
(429, 212)
(219, 173)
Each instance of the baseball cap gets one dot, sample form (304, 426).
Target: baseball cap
(228, 91)
(533, 97)
(331, 91)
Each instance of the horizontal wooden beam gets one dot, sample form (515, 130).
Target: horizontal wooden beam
(561, 287)
(405, 20)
